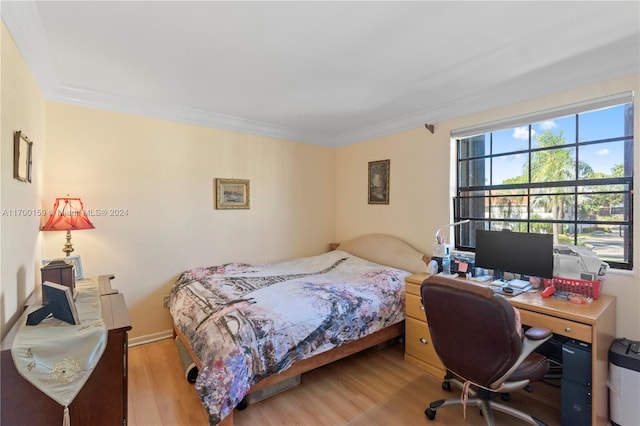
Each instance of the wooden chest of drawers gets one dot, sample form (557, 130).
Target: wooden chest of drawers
(103, 399)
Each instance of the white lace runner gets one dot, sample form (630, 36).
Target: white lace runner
(57, 357)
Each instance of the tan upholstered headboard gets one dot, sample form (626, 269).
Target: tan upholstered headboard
(386, 250)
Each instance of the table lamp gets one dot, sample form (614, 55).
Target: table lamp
(68, 215)
(441, 249)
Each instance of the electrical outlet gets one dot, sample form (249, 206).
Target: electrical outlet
(165, 301)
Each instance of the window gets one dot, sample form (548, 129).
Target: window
(568, 172)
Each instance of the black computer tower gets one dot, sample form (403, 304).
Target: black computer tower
(576, 384)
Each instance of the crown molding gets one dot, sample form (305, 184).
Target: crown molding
(128, 105)
(25, 26)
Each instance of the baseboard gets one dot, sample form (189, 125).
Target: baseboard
(149, 338)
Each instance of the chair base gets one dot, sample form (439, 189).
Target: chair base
(483, 400)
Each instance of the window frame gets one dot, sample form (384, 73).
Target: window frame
(575, 186)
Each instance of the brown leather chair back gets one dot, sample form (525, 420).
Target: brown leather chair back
(472, 330)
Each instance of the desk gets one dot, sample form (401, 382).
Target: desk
(594, 323)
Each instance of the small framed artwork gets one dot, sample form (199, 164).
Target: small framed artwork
(232, 193)
(74, 261)
(379, 181)
(22, 156)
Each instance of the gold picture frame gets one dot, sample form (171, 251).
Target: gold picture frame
(379, 181)
(22, 157)
(232, 193)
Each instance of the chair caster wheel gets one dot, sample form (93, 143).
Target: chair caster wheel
(431, 414)
(505, 397)
(446, 386)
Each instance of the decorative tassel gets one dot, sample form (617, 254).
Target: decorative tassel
(465, 397)
(66, 420)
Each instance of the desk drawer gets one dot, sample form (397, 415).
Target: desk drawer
(571, 329)
(413, 307)
(411, 288)
(418, 342)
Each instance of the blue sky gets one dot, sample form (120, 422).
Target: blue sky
(594, 125)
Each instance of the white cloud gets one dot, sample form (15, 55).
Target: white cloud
(548, 125)
(603, 151)
(521, 133)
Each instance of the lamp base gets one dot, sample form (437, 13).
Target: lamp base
(441, 250)
(68, 247)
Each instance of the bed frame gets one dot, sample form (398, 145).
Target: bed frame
(379, 248)
(305, 365)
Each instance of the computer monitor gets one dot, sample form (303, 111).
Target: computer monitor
(516, 252)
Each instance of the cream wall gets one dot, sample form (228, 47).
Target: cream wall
(22, 109)
(161, 174)
(418, 187)
(422, 186)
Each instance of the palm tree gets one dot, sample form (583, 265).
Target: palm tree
(552, 165)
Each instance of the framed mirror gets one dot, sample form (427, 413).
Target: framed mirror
(22, 153)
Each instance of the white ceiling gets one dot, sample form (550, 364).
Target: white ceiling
(329, 73)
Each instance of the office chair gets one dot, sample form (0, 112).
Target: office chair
(474, 333)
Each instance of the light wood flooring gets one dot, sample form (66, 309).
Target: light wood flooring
(374, 387)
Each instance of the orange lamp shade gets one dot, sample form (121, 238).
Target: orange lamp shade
(68, 215)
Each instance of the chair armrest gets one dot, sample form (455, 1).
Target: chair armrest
(533, 337)
(537, 333)
(530, 344)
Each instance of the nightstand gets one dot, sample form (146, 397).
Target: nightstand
(418, 348)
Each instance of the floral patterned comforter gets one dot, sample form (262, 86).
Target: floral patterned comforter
(247, 322)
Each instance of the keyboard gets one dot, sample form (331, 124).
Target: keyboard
(516, 283)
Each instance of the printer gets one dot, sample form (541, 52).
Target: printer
(578, 263)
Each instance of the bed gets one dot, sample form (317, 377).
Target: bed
(250, 326)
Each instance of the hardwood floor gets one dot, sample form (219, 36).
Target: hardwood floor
(370, 388)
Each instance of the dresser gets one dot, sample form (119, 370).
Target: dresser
(102, 400)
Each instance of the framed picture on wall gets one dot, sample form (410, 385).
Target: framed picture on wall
(22, 157)
(232, 193)
(379, 181)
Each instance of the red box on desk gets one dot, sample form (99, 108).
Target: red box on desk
(583, 287)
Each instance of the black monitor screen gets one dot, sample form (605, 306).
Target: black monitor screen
(515, 252)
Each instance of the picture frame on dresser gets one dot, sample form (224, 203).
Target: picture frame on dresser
(74, 261)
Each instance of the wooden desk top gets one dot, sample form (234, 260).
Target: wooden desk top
(587, 314)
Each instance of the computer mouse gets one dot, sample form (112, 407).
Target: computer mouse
(507, 290)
